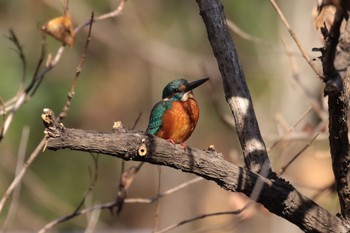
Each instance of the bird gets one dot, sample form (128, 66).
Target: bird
(175, 117)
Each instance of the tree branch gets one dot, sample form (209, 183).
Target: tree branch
(338, 116)
(235, 87)
(278, 196)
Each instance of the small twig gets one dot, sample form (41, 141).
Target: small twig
(93, 220)
(307, 145)
(75, 214)
(16, 192)
(126, 179)
(284, 136)
(156, 217)
(18, 102)
(111, 14)
(64, 112)
(19, 49)
(296, 40)
(307, 93)
(3, 118)
(246, 36)
(36, 80)
(111, 205)
(137, 120)
(234, 212)
(322, 190)
(39, 76)
(80, 66)
(93, 181)
(20, 175)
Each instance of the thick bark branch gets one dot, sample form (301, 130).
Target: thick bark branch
(235, 87)
(335, 61)
(338, 124)
(278, 196)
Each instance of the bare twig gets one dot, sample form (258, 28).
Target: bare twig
(3, 113)
(19, 49)
(126, 179)
(111, 14)
(39, 76)
(234, 212)
(115, 203)
(20, 100)
(307, 145)
(233, 27)
(296, 40)
(296, 76)
(80, 66)
(93, 220)
(16, 192)
(93, 181)
(36, 80)
(41, 145)
(244, 35)
(137, 120)
(20, 175)
(157, 215)
(285, 135)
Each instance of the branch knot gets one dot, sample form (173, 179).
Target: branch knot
(52, 127)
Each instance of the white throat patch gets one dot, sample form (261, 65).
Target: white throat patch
(187, 95)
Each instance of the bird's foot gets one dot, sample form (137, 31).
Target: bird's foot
(171, 141)
(184, 146)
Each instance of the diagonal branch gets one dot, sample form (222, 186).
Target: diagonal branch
(235, 87)
(278, 196)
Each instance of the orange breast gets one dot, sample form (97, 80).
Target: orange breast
(179, 121)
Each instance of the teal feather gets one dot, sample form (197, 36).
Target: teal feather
(155, 121)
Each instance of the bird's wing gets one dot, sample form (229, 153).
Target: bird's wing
(155, 119)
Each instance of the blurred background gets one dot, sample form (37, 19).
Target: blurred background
(130, 59)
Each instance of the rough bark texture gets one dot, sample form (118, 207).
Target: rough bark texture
(235, 87)
(278, 196)
(338, 135)
(335, 68)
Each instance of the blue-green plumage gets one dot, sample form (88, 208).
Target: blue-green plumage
(176, 115)
(155, 121)
(170, 93)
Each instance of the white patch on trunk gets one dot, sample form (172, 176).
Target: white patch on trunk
(242, 102)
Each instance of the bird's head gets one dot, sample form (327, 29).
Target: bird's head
(181, 89)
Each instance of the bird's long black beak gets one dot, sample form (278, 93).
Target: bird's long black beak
(195, 84)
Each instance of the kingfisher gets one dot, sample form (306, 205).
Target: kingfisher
(176, 115)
